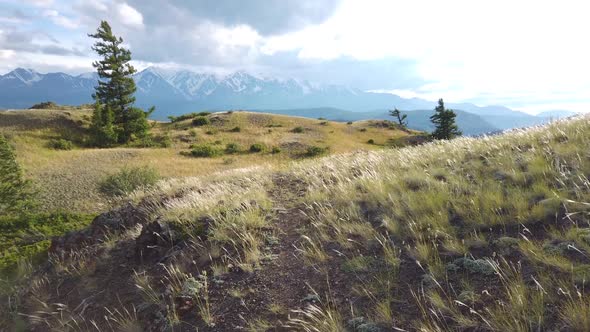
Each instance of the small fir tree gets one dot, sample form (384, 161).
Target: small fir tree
(401, 118)
(444, 122)
(15, 191)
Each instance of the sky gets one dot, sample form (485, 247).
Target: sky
(527, 55)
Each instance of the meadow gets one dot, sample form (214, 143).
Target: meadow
(68, 179)
(487, 234)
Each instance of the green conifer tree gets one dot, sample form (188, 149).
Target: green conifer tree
(102, 128)
(401, 118)
(15, 191)
(444, 122)
(116, 87)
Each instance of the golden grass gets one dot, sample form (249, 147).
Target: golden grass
(67, 180)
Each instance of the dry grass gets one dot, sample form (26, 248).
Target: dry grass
(469, 234)
(67, 179)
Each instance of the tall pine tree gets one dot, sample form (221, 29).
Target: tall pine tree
(114, 93)
(444, 122)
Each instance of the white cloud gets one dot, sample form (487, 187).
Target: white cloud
(469, 49)
(129, 16)
(40, 3)
(60, 20)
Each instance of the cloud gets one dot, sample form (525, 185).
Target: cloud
(40, 3)
(519, 53)
(266, 17)
(60, 20)
(129, 16)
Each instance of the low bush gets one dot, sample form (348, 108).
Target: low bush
(371, 141)
(298, 130)
(205, 151)
(201, 121)
(127, 180)
(236, 129)
(187, 116)
(232, 148)
(275, 150)
(44, 106)
(149, 141)
(60, 144)
(257, 147)
(314, 151)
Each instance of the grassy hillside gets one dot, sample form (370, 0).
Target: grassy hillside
(471, 124)
(487, 234)
(69, 179)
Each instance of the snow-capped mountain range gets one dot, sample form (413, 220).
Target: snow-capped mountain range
(175, 92)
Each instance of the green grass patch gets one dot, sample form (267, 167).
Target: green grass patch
(29, 236)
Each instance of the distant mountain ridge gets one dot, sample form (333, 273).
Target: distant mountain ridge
(174, 92)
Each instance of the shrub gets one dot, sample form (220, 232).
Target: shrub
(371, 141)
(201, 121)
(324, 123)
(211, 132)
(60, 144)
(349, 123)
(257, 147)
(232, 148)
(298, 130)
(159, 141)
(314, 151)
(192, 133)
(363, 130)
(275, 150)
(127, 180)
(205, 151)
(320, 118)
(187, 116)
(44, 106)
(236, 129)
(274, 125)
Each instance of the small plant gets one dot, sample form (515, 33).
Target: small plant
(232, 148)
(349, 123)
(320, 118)
(257, 147)
(128, 180)
(324, 123)
(201, 121)
(298, 130)
(371, 141)
(211, 132)
(362, 130)
(192, 133)
(205, 151)
(236, 129)
(47, 105)
(314, 151)
(275, 150)
(61, 144)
